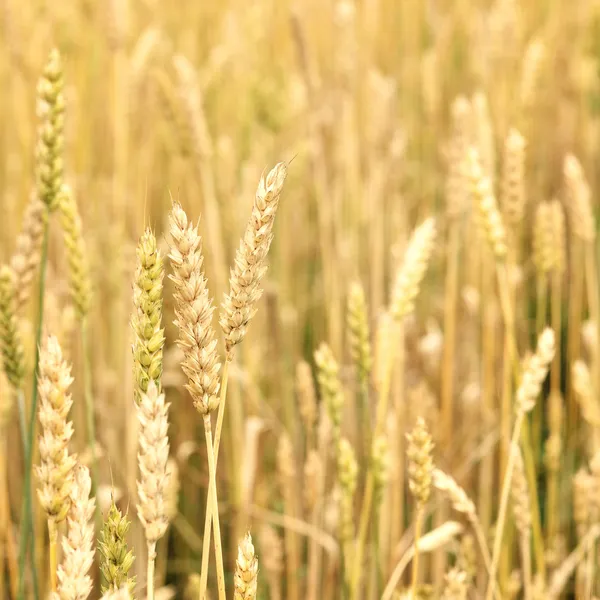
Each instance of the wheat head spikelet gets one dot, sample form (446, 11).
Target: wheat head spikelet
(79, 276)
(412, 270)
(13, 356)
(347, 471)
(456, 494)
(579, 199)
(513, 179)
(153, 455)
(28, 249)
(535, 372)
(116, 558)
(74, 581)
(380, 461)
(193, 312)
(420, 462)
(520, 496)
(245, 577)
(56, 469)
(51, 138)
(457, 186)
(239, 305)
(330, 387)
(549, 238)
(489, 217)
(146, 320)
(358, 331)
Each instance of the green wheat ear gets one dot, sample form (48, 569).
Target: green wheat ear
(116, 560)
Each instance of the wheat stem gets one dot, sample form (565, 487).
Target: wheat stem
(504, 504)
(27, 509)
(150, 572)
(213, 504)
(415, 564)
(208, 517)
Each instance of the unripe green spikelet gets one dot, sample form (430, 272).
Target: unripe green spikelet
(147, 316)
(12, 348)
(79, 276)
(420, 462)
(51, 139)
(117, 559)
(358, 332)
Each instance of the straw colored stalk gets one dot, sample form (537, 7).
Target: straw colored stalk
(543, 260)
(522, 513)
(193, 315)
(313, 589)
(555, 400)
(492, 231)
(287, 474)
(28, 249)
(347, 475)
(527, 393)
(457, 196)
(74, 581)
(55, 471)
(152, 483)
(406, 288)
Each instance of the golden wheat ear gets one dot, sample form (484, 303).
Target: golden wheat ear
(245, 577)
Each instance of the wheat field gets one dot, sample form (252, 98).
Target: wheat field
(299, 299)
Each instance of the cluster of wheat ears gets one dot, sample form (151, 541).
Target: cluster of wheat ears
(456, 457)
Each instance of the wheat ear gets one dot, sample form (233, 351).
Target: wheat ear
(116, 557)
(74, 581)
(28, 249)
(245, 578)
(420, 472)
(201, 364)
(55, 471)
(153, 455)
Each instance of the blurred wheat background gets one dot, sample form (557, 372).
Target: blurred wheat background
(437, 218)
